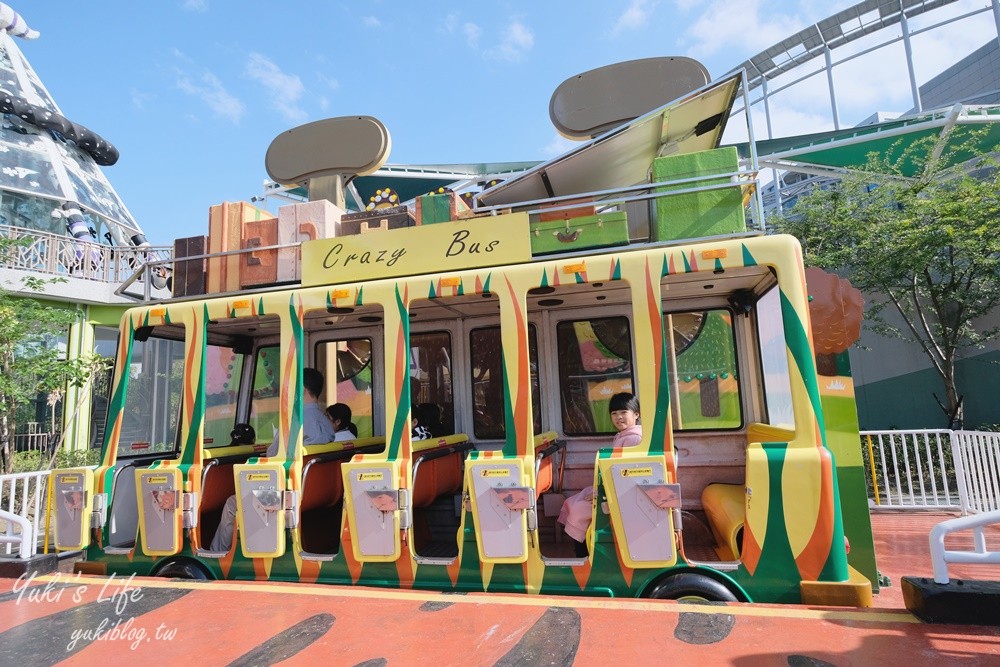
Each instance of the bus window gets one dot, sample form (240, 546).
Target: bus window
(430, 375)
(223, 371)
(703, 373)
(595, 363)
(774, 361)
(264, 406)
(487, 382)
(153, 400)
(350, 363)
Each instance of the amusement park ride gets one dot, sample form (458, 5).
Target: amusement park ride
(515, 308)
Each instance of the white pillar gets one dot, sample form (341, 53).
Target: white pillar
(833, 95)
(909, 58)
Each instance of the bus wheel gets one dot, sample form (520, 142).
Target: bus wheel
(182, 568)
(691, 587)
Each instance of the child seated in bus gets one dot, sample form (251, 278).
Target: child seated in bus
(340, 415)
(578, 510)
(316, 429)
(426, 421)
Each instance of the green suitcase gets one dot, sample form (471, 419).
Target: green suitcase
(698, 214)
(591, 231)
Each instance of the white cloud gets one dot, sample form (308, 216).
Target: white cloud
(453, 25)
(210, 90)
(558, 146)
(516, 40)
(139, 99)
(636, 15)
(754, 26)
(471, 32)
(371, 22)
(284, 90)
(332, 84)
(195, 5)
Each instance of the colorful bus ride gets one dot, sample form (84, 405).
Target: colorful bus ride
(624, 266)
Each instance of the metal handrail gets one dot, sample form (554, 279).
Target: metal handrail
(979, 555)
(59, 255)
(25, 514)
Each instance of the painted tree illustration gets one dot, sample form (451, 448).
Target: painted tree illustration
(708, 358)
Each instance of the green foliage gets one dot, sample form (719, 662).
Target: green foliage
(928, 249)
(31, 361)
(37, 460)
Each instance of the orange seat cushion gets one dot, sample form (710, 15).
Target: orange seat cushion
(323, 486)
(437, 477)
(218, 486)
(544, 482)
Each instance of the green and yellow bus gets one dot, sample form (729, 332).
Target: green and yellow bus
(741, 489)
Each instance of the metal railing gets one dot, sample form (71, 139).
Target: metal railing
(911, 469)
(59, 255)
(978, 453)
(978, 555)
(34, 440)
(22, 510)
(933, 468)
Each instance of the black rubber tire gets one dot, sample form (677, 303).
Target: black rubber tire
(182, 568)
(691, 587)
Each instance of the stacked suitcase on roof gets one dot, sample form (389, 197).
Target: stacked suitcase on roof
(580, 225)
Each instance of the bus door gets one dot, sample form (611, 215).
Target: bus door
(165, 394)
(489, 426)
(347, 350)
(266, 487)
(499, 483)
(637, 484)
(143, 436)
(376, 491)
(439, 443)
(240, 360)
(608, 340)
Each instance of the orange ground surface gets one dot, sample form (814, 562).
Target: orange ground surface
(62, 620)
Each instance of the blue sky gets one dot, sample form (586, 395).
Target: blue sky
(192, 92)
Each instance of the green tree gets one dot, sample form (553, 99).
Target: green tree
(31, 362)
(927, 248)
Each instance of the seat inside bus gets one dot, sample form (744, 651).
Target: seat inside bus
(217, 485)
(438, 478)
(321, 506)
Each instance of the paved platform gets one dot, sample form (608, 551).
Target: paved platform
(64, 619)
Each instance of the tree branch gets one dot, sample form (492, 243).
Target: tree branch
(916, 334)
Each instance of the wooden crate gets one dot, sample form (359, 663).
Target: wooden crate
(303, 222)
(189, 275)
(260, 267)
(439, 207)
(225, 233)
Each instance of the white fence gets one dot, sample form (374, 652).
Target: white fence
(60, 255)
(22, 511)
(933, 469)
